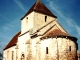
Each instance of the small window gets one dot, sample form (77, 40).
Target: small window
(46, 50)
(27, 18)
(69, 48)
(22, 57)
(12, 55)
(45, 18)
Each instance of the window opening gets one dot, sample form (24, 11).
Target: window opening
(27, 17)
(46, 50)
(45, 18)
(69, 48)
(22, 57)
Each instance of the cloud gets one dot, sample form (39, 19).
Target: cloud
(7, 26)
(4, 17)
(70, 22)
(18, 2)
(73, 24)
(78, 29)
(12, 24)
(8, 30)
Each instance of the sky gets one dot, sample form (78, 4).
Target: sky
(11, 11)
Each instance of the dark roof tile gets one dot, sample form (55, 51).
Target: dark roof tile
(40, 7)
(56, 32)
(13, 41)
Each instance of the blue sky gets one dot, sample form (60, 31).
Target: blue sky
(11, 11)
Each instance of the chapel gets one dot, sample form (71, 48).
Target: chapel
(41, 38)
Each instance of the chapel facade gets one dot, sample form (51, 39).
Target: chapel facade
(41, 38)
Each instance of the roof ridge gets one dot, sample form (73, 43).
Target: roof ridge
(13, 41)
(38, 0)
(56, 32)
(41, 8)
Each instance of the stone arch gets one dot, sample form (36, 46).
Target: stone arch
(22, 56)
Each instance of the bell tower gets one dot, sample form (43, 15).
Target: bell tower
(38, 16)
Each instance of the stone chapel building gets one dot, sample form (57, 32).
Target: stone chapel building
(41, 38)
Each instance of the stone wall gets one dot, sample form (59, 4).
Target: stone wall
(58, 49)
(78, 55)
(10, 53)
(46, 49)
(49, 49)
(27, 23)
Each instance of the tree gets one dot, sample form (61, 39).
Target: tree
(1, 56)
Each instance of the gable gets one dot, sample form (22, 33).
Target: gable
(48, 27)
(56, 32)
(13, 41)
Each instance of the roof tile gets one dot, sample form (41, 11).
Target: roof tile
(40, 7)
(56, 32)
(13, 41)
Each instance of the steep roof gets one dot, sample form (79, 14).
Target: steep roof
(13, 41)
(58, 33)
(41, 8)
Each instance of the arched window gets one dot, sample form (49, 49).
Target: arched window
(22, 57)
(26, 17)
(46, 50)
(45, 18)
(69, 48)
